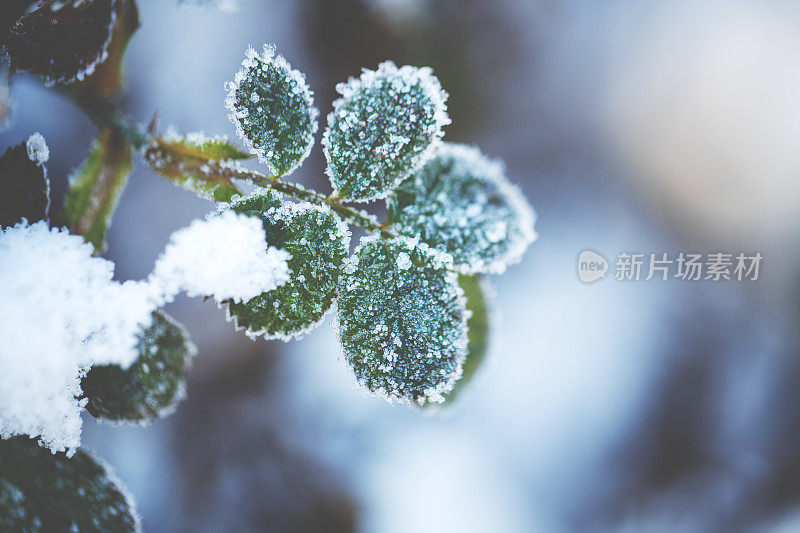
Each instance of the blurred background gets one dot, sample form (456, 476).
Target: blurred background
(631, 125)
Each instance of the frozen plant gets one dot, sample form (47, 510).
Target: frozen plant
(409, 298)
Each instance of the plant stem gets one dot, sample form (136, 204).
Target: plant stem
(359, 218)
(106, 115)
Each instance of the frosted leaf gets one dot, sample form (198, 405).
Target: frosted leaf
(62, 40)
(186, 161)
(24, 187)
(478, 331)
(272, 107)
(51, 282)
(403, 331)
(43, 491)
(199, 146)
(461, 203)
(225, 256)
(152, 386)
(318, 241)
(384, 127)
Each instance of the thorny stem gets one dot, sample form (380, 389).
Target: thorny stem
(106, 115)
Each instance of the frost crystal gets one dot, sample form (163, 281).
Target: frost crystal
(403, 322)
(272, 108)
(461, 203)
(384, 127)
(60, 312)
(318, 241)
(38, 152)
(225, 256)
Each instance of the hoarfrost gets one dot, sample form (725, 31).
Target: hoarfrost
(402, 323)
(318, 241)
(385, 126)
(225, 256)
(60, 312)
(273, 110)
(461, 203)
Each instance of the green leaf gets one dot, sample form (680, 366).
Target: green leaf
(43, 491)
(273, 110)
(384, 127)
(402, 320)
(461, 203)
(96, 187)
(318, 241)
(62, 41)
(107, 77)
(200, 166)
(24, 187)
(477, 332)
(197, 146)
(152, 386)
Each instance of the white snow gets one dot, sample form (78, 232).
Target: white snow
(60, 312)
(38, 152)
(403, 261)
(225, 256)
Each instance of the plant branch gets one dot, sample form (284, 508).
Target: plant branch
(104, 114)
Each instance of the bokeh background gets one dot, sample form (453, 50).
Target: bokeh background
(631, 125)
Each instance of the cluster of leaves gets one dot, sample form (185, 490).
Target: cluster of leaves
(406, 328)
(412, 318)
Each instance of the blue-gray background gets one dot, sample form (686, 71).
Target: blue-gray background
(631, 126)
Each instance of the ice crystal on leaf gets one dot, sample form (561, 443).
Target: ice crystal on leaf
(272, 108)
(318, 241)
(153, 384)
(199, 146)
(225, 256)
(43, 491)
(402, 320)
(461, 203)
(187, 161)
(476, 290)
(384, 127)
(82, 317)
